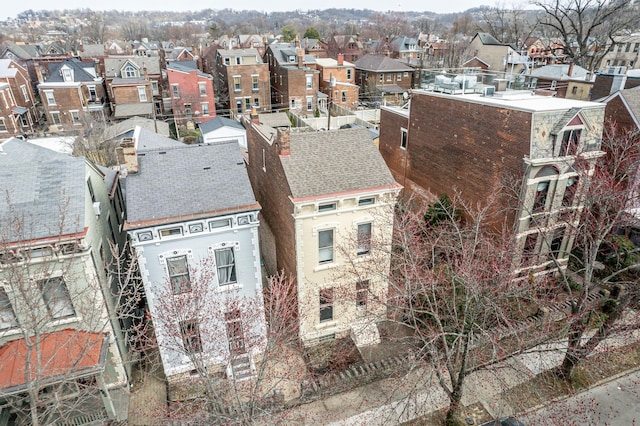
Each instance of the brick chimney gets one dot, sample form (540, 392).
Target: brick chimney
(300, 53)
(284, 143)
(127, 155)
(340, 59)
(570, 72)
(255, 118)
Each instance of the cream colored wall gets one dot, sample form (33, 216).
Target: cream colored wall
(347, 267)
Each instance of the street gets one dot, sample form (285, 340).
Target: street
(616, 403)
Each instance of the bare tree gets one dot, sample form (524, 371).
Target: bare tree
(508, 25)
(588, 27)
(96, 29)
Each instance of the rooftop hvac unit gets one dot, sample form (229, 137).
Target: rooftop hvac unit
(488, 91)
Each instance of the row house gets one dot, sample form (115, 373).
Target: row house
(331, 235)
(60, 336)
(563, 80)
(18, 114)
(499, 57)
(406, 48)
(25, 56)
(544, 51)
(251, 41)
(382, 78)
(337, 80)
(135, 86)
(73, 95)
(224, 129)
(192, 97)
(623, 52)
(315, 47)
(243, 81)
(535, 138)
(294, 79)
(199, 256)
(349, 45)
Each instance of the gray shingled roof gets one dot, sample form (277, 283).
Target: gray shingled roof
(187, 180)
(46, 190)
(113, 64)
(336, 161)
(81, 71)
(148, 140)
(187, 66)
(130, 110)
(217, 123)
(381, 63)
(632, 98)
(488, 39)
(559, 72)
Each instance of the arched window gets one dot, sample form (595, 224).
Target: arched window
(542, 188)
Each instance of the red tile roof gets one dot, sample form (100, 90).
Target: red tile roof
(62, 353)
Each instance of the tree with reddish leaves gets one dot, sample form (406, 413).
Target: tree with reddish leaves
(608, 196)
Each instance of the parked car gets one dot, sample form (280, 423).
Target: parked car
(504, 421)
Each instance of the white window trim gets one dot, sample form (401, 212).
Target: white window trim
(162, 257)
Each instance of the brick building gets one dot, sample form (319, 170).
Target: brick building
(383, 79)
(72, 94)
(471, 143)
(294, 79)
(242, 80)
(342, 88)
(192, 97)
(18, 112)
(349, 45)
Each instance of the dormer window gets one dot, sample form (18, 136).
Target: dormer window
(67, 75)
(570, 142)
(129, 71)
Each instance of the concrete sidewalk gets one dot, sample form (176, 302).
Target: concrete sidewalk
(397, 400)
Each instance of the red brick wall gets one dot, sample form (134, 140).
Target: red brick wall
(618, 112)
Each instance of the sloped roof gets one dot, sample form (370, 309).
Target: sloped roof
(559, 72)
(275, 119)
(402, 43)
(113, 64)
(82, 72)
(9, 68)
(63, 354)
(187, 181)
(218, 123)
(323, 163)
(282, 51)
(130, 110)
(148, 140)
(251, 51)
(488, 39)
(187, 66)
(124, 127)
(42, 185)
(381, 63)
(92, 51)
(22, 51)
(631, 98)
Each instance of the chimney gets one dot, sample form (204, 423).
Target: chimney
(300, 53)
(145, 73)
(127, 155)
(570, 72)
(284, 143)
(255, 118)
(340, 59)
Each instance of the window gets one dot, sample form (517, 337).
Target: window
(238, 60)
(556, 243)
(7, 315)
(51, 100)
(309, 103)
(399, 77)
(92, 92)
(142, 93)
(364, 239)
(67, 75)
(191, 339)
(222, 223)
(24, 92)
(554, 84)
(203, 88)
(293, 103)
(154, 87)
(179, 274)
(55, 117)
(226, 265)
(619, 48)
(570, 191)
(389, 77)
(570, 142)
(205, 108)
(239, 106)
(56, 297)
(195, 228)
(627, 47)
(326, 304)
(256, 102)
(362, 290)
(254, 83)
(75, 116)
(170, 232)
(348, 73)
(636, 47)
(344, 96)
(403, 138)
(3, 125)
(129, 71)
(326, 207)
(187, 110)
(542, 188)
(325, 246)
(381, 78)
(235, 333)
(529, 250)
(247, 104)
(145, 236)
(336, 95)
(366, 201)
(227, 61)
(574, 90)
(309, 79)
(175, 89)
(236, 83)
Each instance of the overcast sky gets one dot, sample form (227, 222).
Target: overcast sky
(11, 8)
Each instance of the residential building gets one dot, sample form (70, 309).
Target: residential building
(530, 138)
(314, 47)
(73, 95)
(623, 52)
(545, 51)
(337, 80)
(328, 202)
(18, 114)
(294, 79)
(25, 56)
(563, 80)
(223, 129)
(192, 97)
(614, 79)
(193, 221)
(406, 48)
(383, 79)
(135, 85)
(61, 337)
(349, 45)
(243, 81)
(501, 57)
